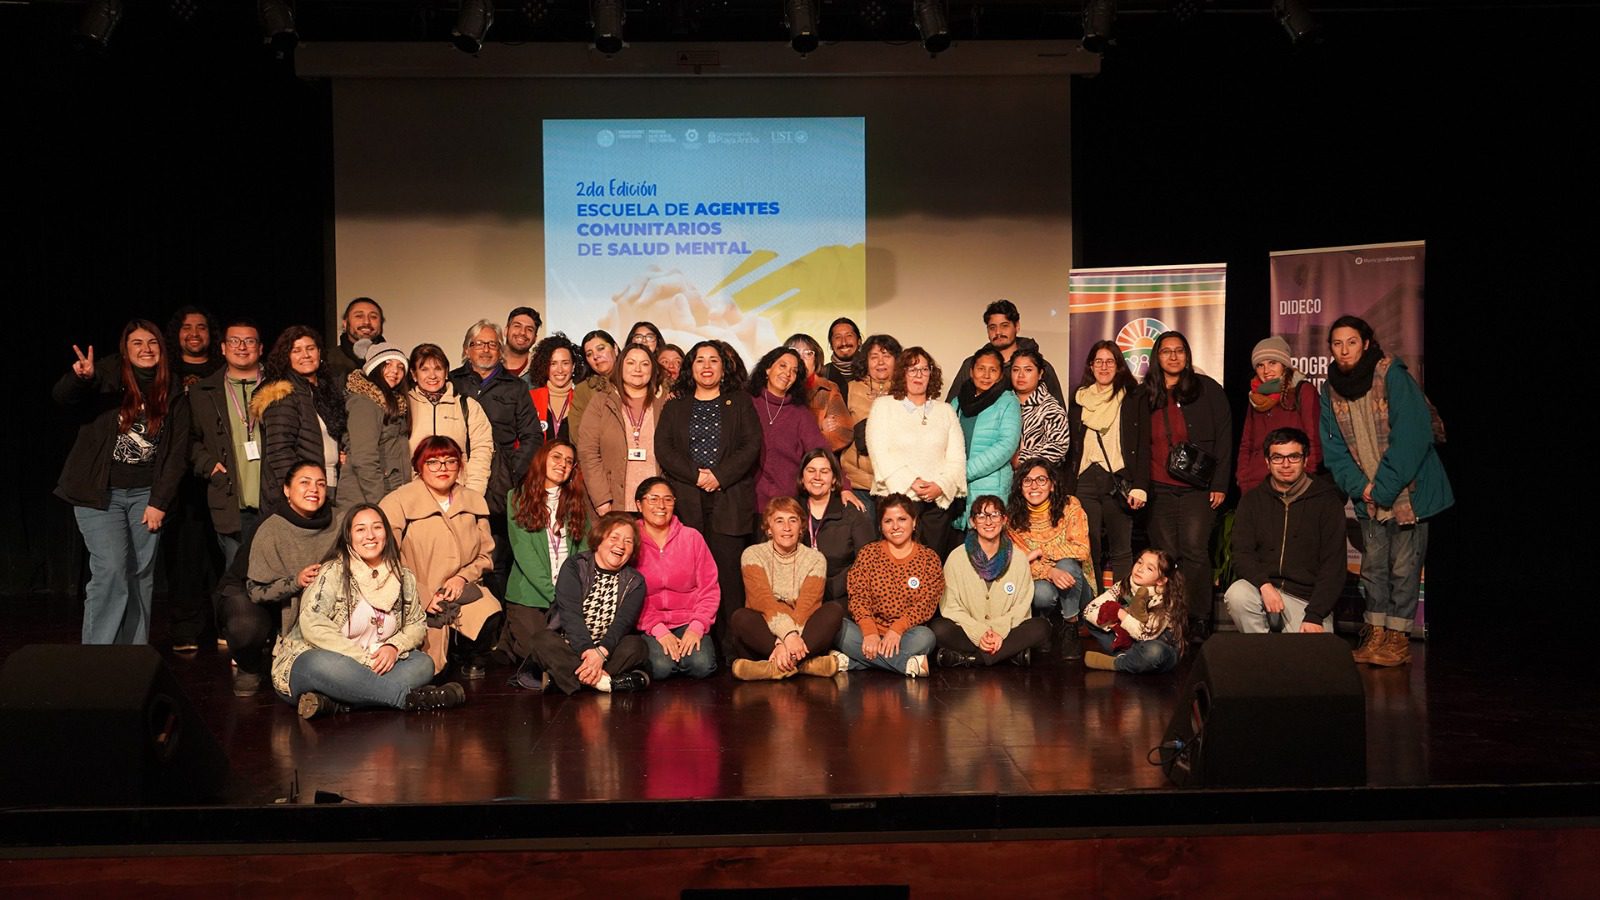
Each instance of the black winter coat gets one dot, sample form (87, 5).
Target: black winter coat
(289, 433)
(841, 535)
(93, 405)
(517, 436)
(1133, 426)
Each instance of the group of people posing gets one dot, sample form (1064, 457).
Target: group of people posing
(601, 515)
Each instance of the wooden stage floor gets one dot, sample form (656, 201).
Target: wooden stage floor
(1457, 715)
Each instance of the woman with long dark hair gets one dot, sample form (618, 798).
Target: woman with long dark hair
(991, 427)
(823, 397)
(879, 354)
(1187, 408)
(788, 429)
(122, 474)
(617, 448)
(1045, 432)
(1109, 421)
(1052, 532)
(547, 519)
(600, 357)
(379, 425)
(836, 529)
(357, 639)
(300, 405)
(708, 444)
(646, 335)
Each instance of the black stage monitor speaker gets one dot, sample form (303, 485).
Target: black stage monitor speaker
(1269, 710)
(101, 726)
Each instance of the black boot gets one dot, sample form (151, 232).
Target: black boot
(1068, 644)
(436, 696)
(1025, 658)
(635, 680)
(314, 705)
(946, 658)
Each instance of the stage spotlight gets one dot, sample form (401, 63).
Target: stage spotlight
(1296, 18)
(1099, 18)
(277, 25)
(100, 18)
(932, 24)
(472, 25)
(800, 17)
(606, 18)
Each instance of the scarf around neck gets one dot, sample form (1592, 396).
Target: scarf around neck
(1100, 404)
(1354, 384)
(988, 568)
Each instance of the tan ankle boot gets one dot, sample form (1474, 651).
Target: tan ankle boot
(1372, 640)
(758, 670)
(1396, 650)
(824, 666)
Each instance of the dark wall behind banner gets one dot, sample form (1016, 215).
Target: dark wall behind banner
(154, 179)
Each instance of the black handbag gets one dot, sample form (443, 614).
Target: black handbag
(1186, 461)
(1121, 487)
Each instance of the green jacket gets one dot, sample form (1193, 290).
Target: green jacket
(531, 582)
(1409, 460)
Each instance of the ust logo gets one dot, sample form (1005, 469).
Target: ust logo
(1137, 340)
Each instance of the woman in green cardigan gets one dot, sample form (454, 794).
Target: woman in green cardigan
(547, 523)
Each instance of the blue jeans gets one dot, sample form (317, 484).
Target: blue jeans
(871, 503)
(917, 641)
(1143, 658)
(348, 681)
(1391, 571)
(699, 664)
(1047, 596)
(122, 566)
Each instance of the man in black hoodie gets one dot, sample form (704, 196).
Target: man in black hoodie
(1001, 319)
(1288, 545)
(363, 321)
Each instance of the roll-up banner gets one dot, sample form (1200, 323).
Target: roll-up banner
(1381, 283)
(1135, 304)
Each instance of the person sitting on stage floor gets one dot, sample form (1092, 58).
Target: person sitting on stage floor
(895, 586)
(836, 529)
(1288, 545)
(785, 626)
(1051, 531)
(681, 590)
(1139, 622)
(260, 597)
(548, 522)
(356, 641)
(445, 541)
(988, 597)
(598, 599)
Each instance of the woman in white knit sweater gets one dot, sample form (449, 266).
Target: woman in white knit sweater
(917, 449)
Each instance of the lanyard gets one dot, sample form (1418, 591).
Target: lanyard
(562, 415)
(812, 522)
(627, 410)
(240, 409)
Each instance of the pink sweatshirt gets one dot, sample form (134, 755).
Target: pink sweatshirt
(680, 582)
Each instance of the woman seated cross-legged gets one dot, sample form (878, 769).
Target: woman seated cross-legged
(785, 627)
(1140, 621)
(1052, 532)
(358, 638)
(988, 597)
(895, 586)
(547, 521)
(591, 641)
(681, 590)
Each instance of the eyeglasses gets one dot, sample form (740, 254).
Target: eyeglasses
(241, 342)
(659, 500)
(1036, 480)
(918, 370)
(987, 516)
(443, 464)
(1279, 459)
(484, 345)
(1104, 364)
(804, 351)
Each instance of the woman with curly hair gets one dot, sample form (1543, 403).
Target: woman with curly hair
(878, 357)
(547, 517)
(917, 447)
(557, 364)
(301, 408)
(1051, 530)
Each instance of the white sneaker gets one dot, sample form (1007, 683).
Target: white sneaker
(917, 665)
(843, 660)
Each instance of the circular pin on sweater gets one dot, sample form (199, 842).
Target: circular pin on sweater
(913, 582)
(1011, 587)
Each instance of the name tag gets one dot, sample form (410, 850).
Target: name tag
(252, 451)
(636, 454)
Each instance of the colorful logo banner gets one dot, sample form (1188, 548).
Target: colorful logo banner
(1133, 305)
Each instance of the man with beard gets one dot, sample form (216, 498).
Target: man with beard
(193, 352)
(189, 559)
(1001, 319)
(1377, 439)
(522, 332)
(505, 401)
(1288, 545)
(363, 321)
(845, 339)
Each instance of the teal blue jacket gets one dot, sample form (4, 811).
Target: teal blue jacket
(996, 435)
(1409, 460)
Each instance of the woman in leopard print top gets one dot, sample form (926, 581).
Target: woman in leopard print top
(895, 585)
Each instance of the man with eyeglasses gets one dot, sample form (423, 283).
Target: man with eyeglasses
(225, 445)
(363, 326)
(505, 401)
(1288, 545)
(1001, 320)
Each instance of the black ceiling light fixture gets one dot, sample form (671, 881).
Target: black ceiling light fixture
(99, 20)
(277, 26)
(801, 17)
(606, 18)
(933, 26)
(473, 21)
(1296, 18)
(1099, 22)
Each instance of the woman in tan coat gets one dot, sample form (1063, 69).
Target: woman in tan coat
(436, 409)
(617, 438)
(445, 541)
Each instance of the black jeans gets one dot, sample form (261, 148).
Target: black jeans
(1107, 512)
(556, 657)
(1031, 633)
(1180, 523)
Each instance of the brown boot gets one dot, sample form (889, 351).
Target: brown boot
(1097, 660)
(758, 670)
(1396, 650)
(824, 666)
(1372, 640)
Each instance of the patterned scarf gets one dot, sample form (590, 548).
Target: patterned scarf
(1364, 423)
(988, 568)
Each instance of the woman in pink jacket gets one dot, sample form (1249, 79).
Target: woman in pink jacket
(681, 592)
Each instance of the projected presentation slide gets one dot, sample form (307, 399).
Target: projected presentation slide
(745, 230)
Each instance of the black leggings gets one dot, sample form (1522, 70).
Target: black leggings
(1032, 633)
(752, 639)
